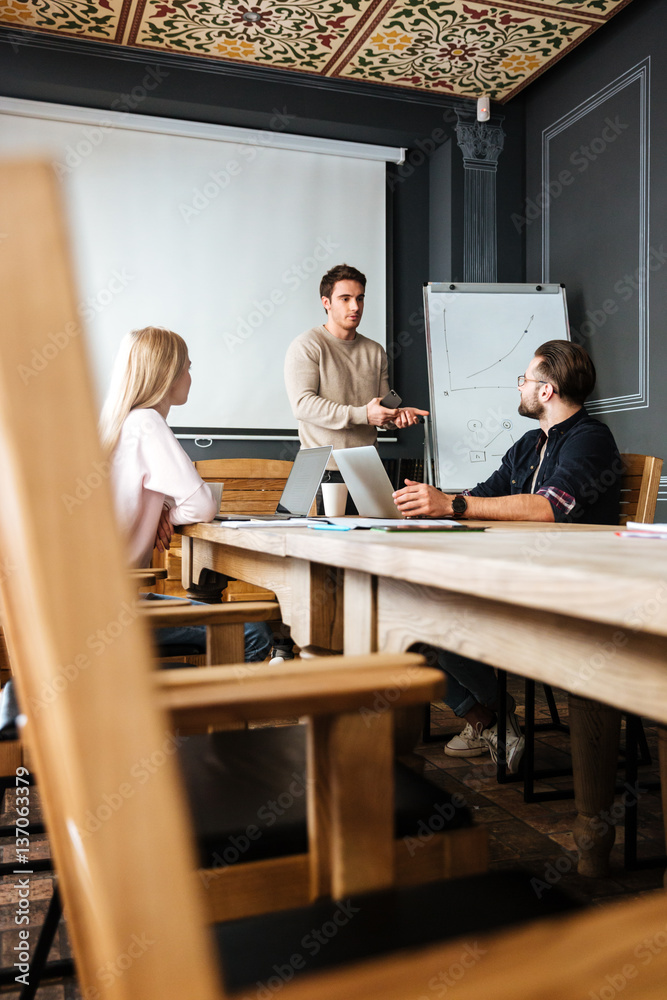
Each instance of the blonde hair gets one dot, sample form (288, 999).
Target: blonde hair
(148, 363)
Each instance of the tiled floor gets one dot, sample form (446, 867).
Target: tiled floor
(537, 836)
(41, 889)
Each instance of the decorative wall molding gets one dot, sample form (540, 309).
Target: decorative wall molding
(481, 144)
(83, 47)
(637, 398)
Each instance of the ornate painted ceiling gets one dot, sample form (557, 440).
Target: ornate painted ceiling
(458, 47)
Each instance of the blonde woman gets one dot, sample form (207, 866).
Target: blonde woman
(155, 484)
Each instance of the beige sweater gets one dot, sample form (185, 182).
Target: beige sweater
(329, 382)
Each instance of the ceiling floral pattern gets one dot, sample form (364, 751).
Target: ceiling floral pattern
(98, 19)
(288, 35)
(459, 47)
(461, 50)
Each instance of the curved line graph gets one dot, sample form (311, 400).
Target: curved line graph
(508, 353)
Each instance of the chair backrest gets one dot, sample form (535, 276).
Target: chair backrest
(639, 488)
(252, 485)
(82, 659)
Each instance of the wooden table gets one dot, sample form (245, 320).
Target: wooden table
(576, 607)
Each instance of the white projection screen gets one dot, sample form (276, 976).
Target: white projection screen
(212, 232)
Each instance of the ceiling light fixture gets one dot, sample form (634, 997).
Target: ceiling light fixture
(252, 16)
(483, 109)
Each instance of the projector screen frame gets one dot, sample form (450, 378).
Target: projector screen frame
(99, 119)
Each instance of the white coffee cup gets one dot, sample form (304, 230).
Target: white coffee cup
(334, 497)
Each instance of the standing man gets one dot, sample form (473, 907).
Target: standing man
(336, 378)
(568, 470)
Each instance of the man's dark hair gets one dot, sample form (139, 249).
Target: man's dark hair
(569, 367)
(341, 272)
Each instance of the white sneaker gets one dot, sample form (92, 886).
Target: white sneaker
(515, 743)
(279, 655)
(468, 743)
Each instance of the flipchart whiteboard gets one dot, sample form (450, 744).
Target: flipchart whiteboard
(479, 339)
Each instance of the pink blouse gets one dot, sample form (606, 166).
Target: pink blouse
(151, 469)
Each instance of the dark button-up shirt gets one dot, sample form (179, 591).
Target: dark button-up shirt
(580, 472)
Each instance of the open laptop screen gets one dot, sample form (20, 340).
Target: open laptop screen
(303, 482)
(366, 479)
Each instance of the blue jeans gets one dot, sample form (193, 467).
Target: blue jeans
(257, 635)
(468, 681)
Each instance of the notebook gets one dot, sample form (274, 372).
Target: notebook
(367, 480)
(300, 489)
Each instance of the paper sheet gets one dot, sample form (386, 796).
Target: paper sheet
(389, 522)
(295, 522)
(636, 529)
(344, 522)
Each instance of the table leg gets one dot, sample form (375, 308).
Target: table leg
(316, 605)
(186, 562)
(350, 807)
(595, 731)
(360, 614)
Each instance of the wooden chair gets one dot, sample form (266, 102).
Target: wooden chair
(135, 913)
(151, 579)
(639, 488)
(276, 873)
(223, 623)
(252, 486)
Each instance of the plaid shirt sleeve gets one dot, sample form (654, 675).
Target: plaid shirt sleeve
(558, 498)
(583, 482)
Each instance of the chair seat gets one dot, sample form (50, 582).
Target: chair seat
(247, 791)
(329, 933)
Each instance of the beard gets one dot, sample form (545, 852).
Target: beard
(531, 408)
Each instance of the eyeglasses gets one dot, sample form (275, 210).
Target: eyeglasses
(522, 378)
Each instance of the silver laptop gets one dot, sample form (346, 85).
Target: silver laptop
(367, 480)
(300, 489)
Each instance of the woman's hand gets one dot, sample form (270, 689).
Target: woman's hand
(165, 530)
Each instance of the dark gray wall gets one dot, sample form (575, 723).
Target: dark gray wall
(594, 214)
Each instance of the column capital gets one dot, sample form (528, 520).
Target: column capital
(480, 142)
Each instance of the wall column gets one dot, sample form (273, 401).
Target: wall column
(481, 144)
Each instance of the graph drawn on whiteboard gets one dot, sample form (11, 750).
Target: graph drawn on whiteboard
(479, 339)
